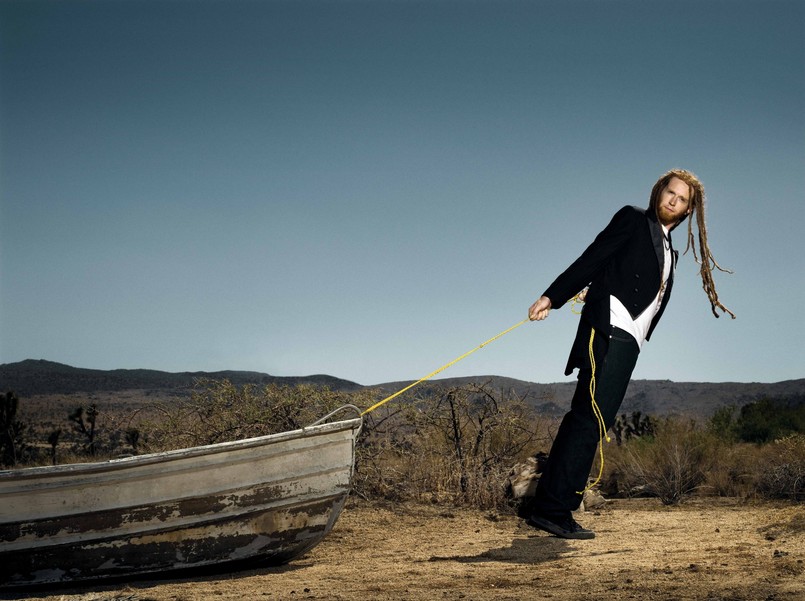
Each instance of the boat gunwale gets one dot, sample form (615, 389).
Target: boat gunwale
(120, 463)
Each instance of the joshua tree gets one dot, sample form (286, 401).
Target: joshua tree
(86, 427)
(12, 430)
(133, 439)
(53, 441)
(633, 426)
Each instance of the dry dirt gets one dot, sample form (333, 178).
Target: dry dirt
(703, 549)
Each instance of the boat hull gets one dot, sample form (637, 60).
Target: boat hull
(266, 500)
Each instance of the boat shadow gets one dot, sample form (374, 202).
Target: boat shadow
(112, 585)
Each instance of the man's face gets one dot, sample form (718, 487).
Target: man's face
(674, 202)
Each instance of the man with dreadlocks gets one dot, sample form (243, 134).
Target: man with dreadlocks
(626, 275)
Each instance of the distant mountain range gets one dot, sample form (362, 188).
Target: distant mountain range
(32, 377)
(656, 397)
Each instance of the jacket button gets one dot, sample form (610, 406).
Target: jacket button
(636, 290)
(637, 275)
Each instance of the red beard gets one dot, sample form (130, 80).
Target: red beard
(669, 217)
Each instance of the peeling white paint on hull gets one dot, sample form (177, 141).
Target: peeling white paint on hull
(266, 499)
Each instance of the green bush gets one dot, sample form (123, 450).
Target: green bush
(761, 421)
(722, 424)
(768, 420)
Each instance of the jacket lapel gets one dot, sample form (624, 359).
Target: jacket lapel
(656, 238)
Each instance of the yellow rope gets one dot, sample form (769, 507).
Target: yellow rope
(596, 409)
(443, 367)
(574, 301)
(602, 428)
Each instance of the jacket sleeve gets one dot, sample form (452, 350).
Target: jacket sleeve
(595, 258)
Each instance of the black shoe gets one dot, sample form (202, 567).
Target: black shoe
(563, 528)
(525, 510)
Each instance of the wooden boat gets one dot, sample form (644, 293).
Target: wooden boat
(263, 500)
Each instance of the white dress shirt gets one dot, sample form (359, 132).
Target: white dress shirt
(638, 327)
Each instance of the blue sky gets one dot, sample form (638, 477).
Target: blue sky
(370, 189)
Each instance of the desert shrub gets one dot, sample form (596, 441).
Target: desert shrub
(452, 444)
(763, 451)
(783, 469)
(463, 442)
(219, 411)
(732, 468)
(384, 453)
(683, 459)
(458, 445)
(132, 437)
(670, 465)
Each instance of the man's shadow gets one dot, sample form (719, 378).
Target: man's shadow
(532, 549)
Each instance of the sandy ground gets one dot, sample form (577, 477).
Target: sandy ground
(717, 550)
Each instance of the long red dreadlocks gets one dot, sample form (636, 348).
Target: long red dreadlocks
(704, 257)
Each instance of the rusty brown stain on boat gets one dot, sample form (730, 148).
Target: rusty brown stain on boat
(173, 549)
(120, 517)
(203, 522)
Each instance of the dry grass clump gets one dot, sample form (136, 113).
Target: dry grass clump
(733, 470)
(783, 473)
(670, 465)
(682, 459)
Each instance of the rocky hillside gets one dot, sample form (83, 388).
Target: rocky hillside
(656, 397)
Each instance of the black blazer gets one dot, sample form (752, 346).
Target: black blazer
(625, 260)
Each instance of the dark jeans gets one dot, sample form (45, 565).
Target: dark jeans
(574, 447)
